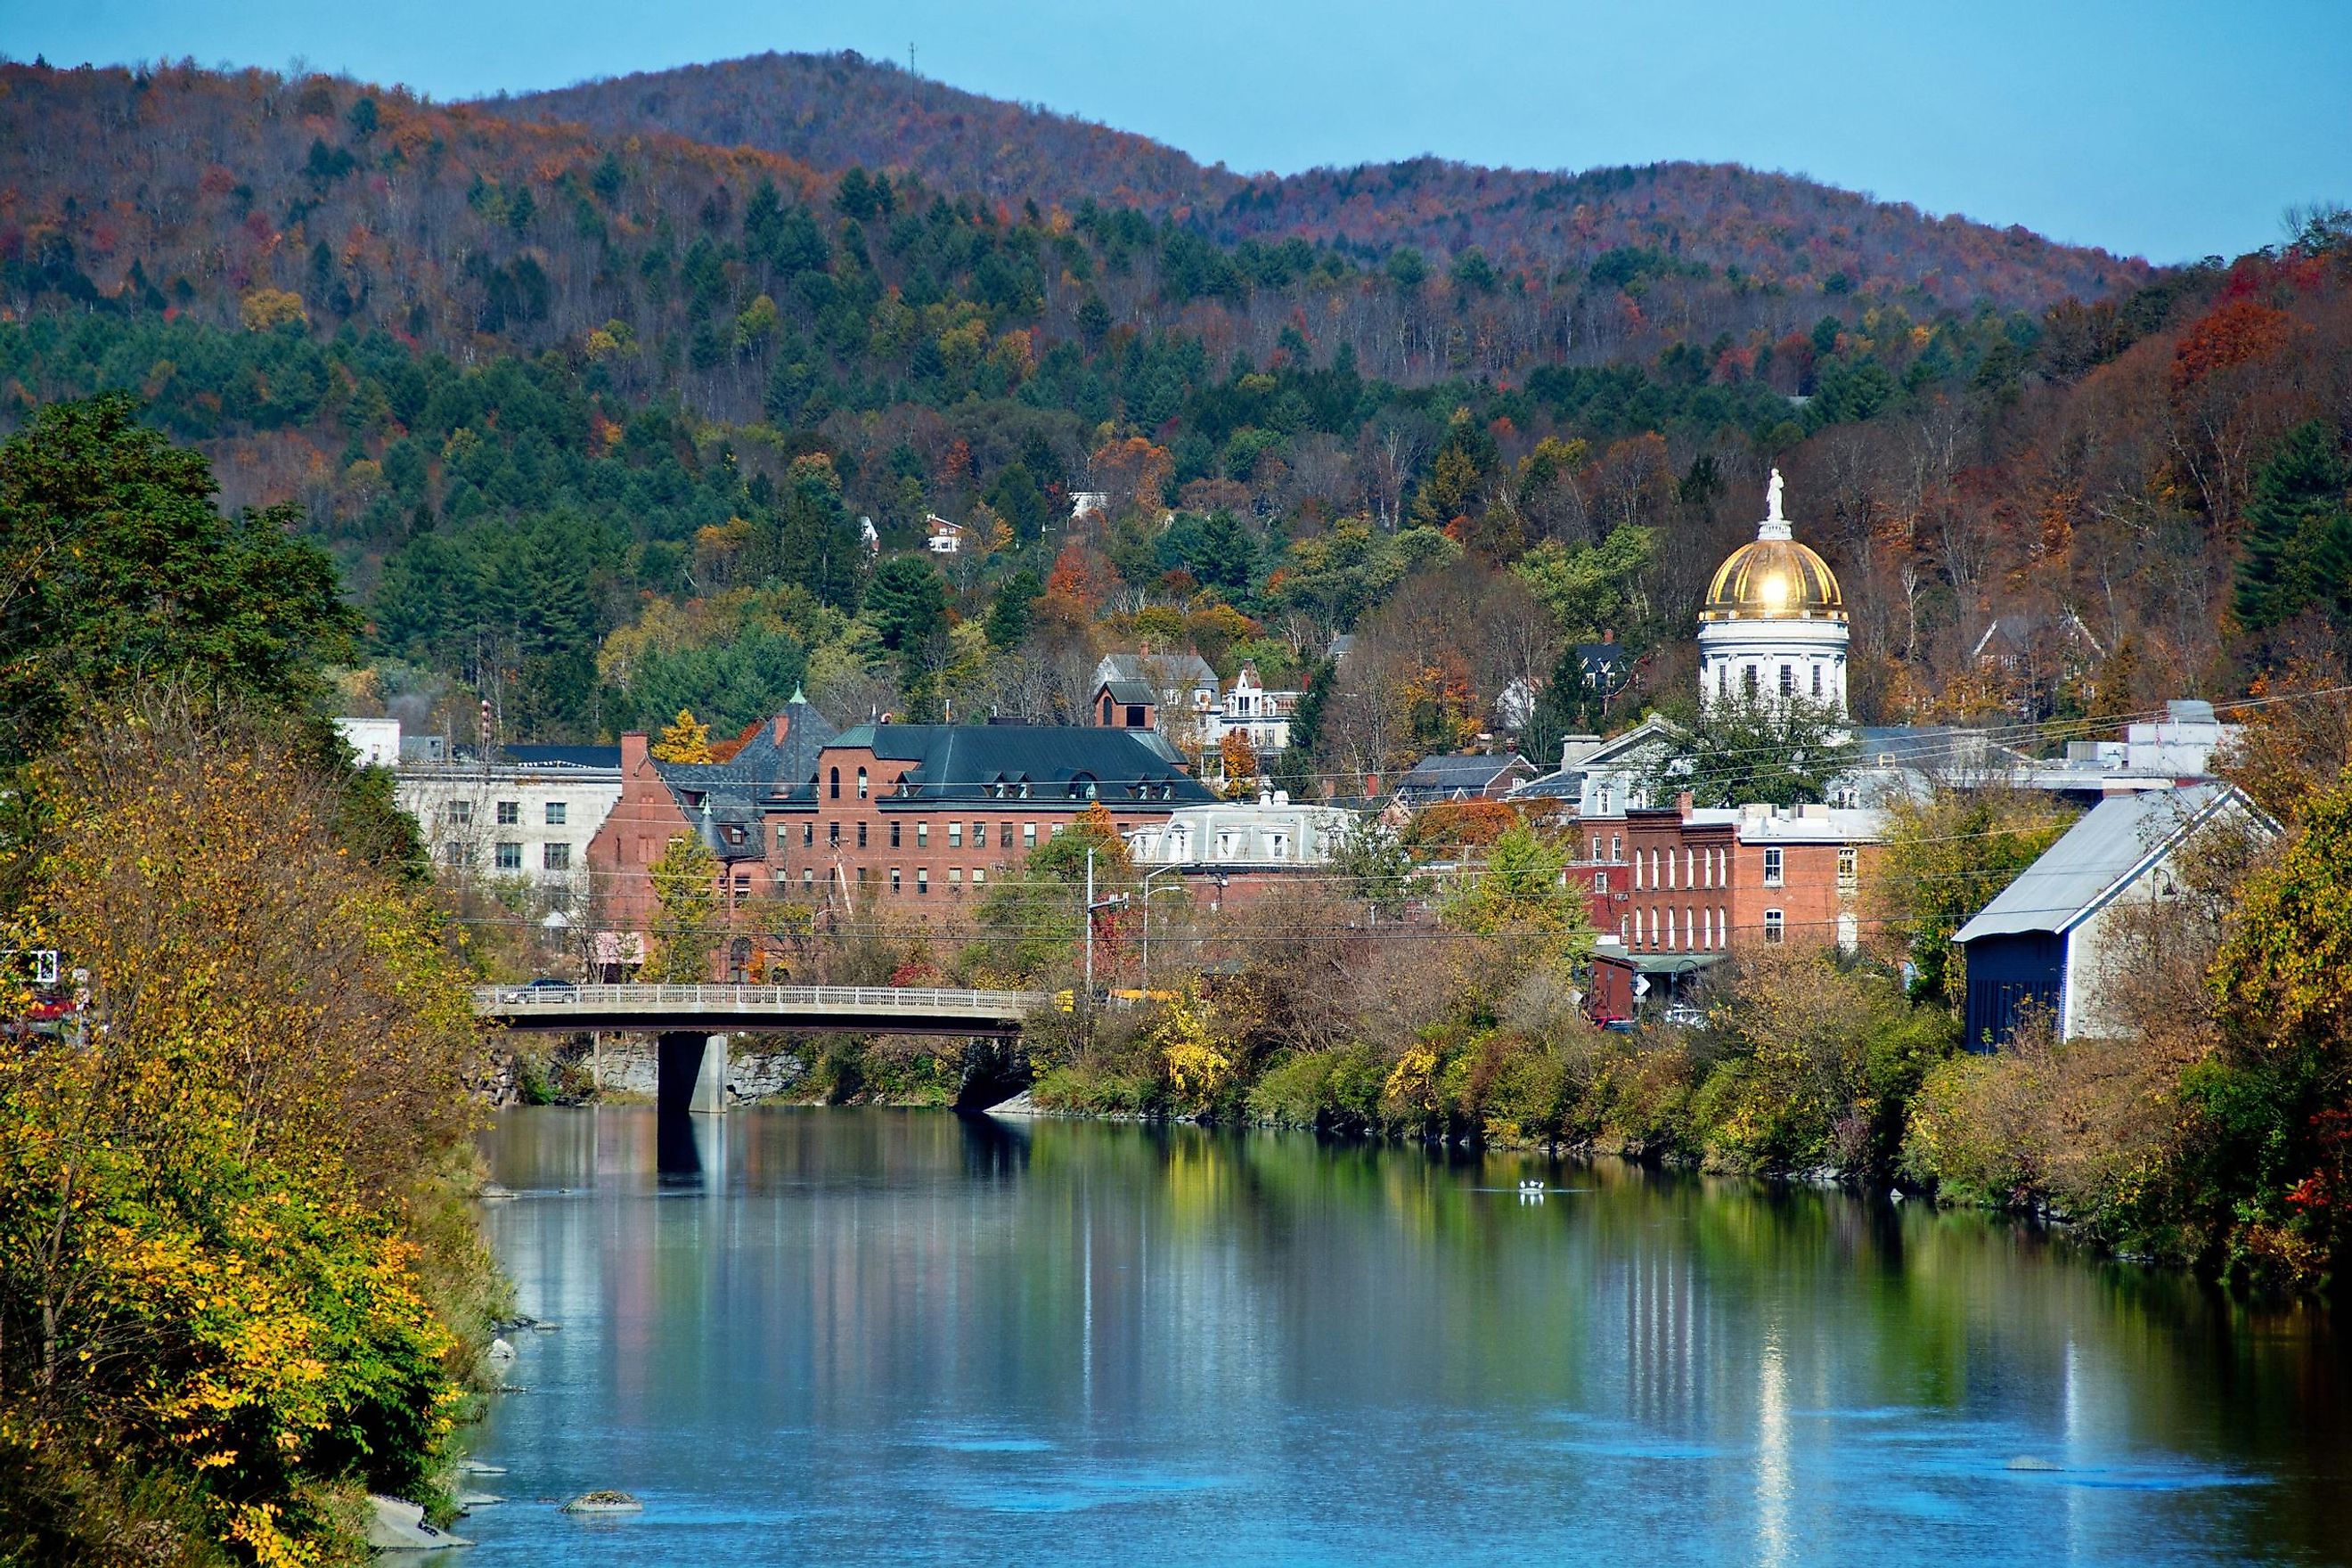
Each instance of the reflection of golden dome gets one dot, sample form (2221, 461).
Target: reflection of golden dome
(1774, 580)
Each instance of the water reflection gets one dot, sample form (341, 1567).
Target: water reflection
(927, 1337)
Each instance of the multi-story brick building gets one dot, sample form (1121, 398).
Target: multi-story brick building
(724, 804)
(913, 818)
(1697, 883)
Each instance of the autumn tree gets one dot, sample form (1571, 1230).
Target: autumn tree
(684, 739)
(685, 880)
(118, 571)
(1946, 857)
(1239, 760)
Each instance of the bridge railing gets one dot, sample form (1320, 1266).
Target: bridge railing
(903, 1000)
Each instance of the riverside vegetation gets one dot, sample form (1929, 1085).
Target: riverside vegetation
(239, 1284)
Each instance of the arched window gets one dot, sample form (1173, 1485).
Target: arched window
(861, 783)
(836, 783)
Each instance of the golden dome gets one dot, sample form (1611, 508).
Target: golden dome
(1774, 580)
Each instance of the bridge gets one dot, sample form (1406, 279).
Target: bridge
(694, 1021)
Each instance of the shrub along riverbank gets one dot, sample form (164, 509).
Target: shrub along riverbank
(240, 1285)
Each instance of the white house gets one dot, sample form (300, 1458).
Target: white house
(1260, 716)
(941, 537)
(527, 816)
(375, 742)
(1270, 832)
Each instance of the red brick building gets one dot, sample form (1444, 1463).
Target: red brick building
(1700, 883)
(918, 818)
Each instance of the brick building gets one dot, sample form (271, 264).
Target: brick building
(917, 818)
(1684, 883)
(724, 804)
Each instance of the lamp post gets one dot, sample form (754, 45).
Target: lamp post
(1163, 871)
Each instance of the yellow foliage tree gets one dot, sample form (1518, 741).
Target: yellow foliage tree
(686, 740)
(263, 308)
(1239, 760)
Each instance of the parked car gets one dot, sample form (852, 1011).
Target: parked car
(1684, 1016)
(546, 988)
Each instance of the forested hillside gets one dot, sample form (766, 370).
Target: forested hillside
(590, 420)
(839, 110)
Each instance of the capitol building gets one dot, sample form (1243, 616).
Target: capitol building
(1774, 623)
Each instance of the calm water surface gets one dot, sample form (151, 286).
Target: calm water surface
(873, 1335)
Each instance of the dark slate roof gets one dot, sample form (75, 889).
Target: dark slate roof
(1179, 669)
(1443, 777)
(1130, 691)
(970, 761)
(806, 735)
(562, 756)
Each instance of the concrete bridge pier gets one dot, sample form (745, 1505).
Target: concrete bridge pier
(690, 1072)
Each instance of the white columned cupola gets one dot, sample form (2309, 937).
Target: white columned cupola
(1774, 625)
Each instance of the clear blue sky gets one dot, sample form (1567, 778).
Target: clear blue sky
(2163, 127)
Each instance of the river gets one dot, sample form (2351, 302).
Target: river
(825, 1335)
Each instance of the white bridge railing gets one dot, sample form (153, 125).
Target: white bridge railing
(869, 1001)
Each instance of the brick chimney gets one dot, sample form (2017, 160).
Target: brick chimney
(1683, 804)
(632, 753)
(783, 726)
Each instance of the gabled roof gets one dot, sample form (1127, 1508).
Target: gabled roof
(2113, 844)
(968, 762)
(1460, 773)
(1616, 755)
(1177, 669)
(1129, 692)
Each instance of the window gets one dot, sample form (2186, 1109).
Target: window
(455, 854)
(861, 783)
(1056, 831)
(556, 813)
(922, 880)
(1787, 680)
(808, 879)
(1772, 923)
(808, 834)
(1135, 715)
(922, 836)
(1723, 682)
(742, 886)
(1596, 846)
(1279, 845)
(955, 834)
(861, 875)
(955, 879)
(1849, 868)
(1817, 680)
(509, 814)
(894, 835)
(510, 857)
(1028, 836)
(894, 879)
(1615, 845)
(835, 789)
(1747, 681)
(1772, 868)
(1722, 927)
(980, 835)
(555, 856)
(1602, 800)
(979, 879)
(1600, 881)
(461, 813)
(861, 836)
(1625, 929)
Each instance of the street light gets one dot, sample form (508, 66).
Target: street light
(1163, 871)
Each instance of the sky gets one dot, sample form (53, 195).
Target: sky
(2167, 129)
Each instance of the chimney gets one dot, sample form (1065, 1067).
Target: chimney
(783, 726)
(633, 751)
(1608, 634)
(1683, 804)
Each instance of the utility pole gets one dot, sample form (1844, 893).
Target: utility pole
(1116, 901)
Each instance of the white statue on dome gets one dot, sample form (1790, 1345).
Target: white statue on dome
(1772, 498)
